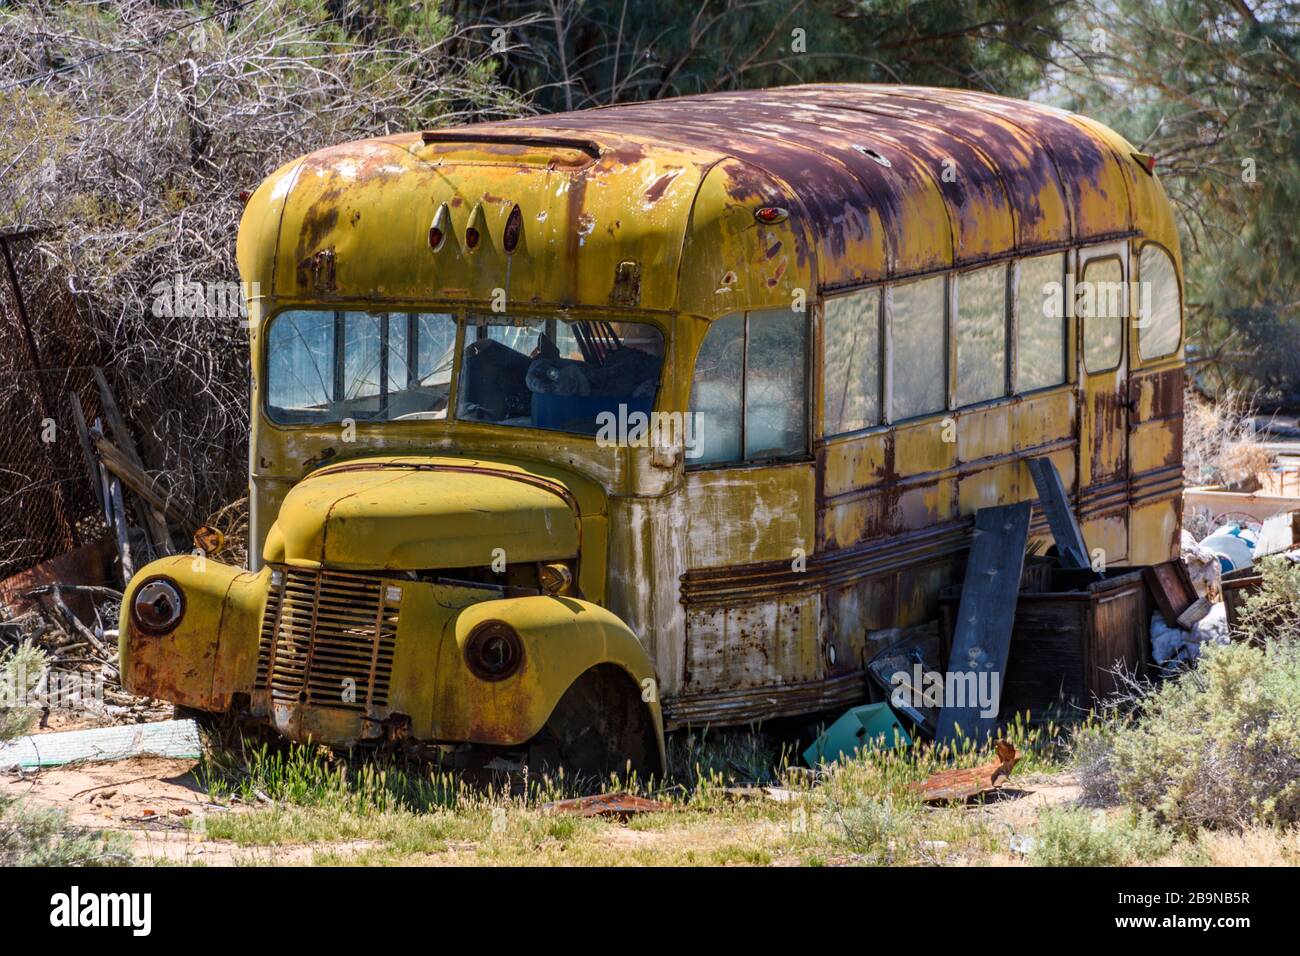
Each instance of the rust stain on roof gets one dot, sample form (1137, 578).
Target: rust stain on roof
(994, 175)
(880, 182)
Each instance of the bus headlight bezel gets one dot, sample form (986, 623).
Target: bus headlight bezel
(148, 616)
(494, 651)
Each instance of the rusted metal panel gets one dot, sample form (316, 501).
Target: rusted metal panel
(1045, 417)
(958, 786)
(749, 704)
(855, 462)
(752, 645)
(851, 612)
(1156, 422)
(1034, 191)
(994, 485)
(985, 432)
(922, 159)
(729, 264)
(621, 805)
(1088, 169)
(349, 201)
(741, 584)
(750, 516)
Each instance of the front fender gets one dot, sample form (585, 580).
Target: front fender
(563, 637)
(212, 652)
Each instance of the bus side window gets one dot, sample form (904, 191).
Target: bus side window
(1160, 316)
(749, 389)
(851, 359)
(980, 327)
(776, 391)
(917, 335)
(1101, 308)
(716, 391)
(1040, 322)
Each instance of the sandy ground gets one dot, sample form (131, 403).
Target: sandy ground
(159, 805)
(155, 801)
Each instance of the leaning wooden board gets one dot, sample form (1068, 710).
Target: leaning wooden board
(984, 618)
(1055, 502)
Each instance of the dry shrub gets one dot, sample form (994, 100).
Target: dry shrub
(1219, 444)
(129, 131)
(21, 668)
(1219, 746)
(1072, 836)
(1254, 846)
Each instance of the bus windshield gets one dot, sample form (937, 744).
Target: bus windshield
(328, 366)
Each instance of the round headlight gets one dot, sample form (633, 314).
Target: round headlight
(494, 651)
(157, 606)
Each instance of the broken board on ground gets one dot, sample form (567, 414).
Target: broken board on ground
(982, 636)
(167, 738)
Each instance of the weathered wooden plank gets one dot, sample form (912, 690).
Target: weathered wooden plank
(984, 619)
(1056, 506)
(117, 519)
(157, 537)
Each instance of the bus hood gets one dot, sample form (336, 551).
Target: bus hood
(422, 513)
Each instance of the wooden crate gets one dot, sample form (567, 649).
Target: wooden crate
(1237, 586)
(1066, 641)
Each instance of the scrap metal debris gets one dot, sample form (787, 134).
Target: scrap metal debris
(960, 786)
(621, 805)
(907, 653)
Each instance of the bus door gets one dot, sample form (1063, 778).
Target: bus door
(1101, 308)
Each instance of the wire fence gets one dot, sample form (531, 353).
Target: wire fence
(48, 504)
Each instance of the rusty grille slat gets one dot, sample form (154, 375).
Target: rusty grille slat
(323, 628)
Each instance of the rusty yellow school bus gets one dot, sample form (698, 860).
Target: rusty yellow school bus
(845, 315)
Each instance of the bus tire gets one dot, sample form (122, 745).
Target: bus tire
(599, 727)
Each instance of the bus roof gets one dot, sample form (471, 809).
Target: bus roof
(651, 204)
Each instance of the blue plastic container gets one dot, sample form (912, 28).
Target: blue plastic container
(578, 413)
(865, 726)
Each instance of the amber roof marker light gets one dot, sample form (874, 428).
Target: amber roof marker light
(514, 229)
(474, 230)
(438, 229)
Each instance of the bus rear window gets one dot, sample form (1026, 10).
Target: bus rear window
(555, 373)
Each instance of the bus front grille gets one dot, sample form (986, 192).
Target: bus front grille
(327, 638)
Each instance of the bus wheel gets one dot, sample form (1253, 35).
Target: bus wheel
(599, 727)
